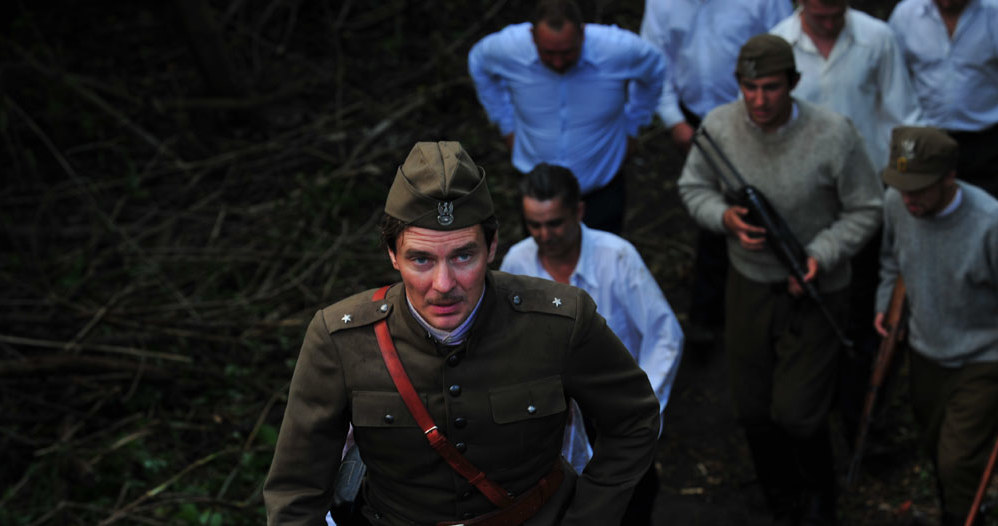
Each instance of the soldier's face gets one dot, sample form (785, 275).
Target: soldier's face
(767, 100)
(553, 225)
(558, 50)
(443, 271)
(823, 19)
(932, 199)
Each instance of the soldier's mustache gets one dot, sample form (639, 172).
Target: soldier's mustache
(447, 299)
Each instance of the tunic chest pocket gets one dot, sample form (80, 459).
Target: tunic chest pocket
(381, 409)
(528, 400)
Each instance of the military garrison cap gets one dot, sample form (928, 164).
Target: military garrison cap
(920, 156)
(764, 55)
(439, 187)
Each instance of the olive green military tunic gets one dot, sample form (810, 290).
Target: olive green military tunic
(500, 397)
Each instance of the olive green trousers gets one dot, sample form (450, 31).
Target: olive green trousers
(783, 354)
(957, 410)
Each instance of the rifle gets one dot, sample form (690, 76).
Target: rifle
(780, 239)
(985, 478)
(896, 319)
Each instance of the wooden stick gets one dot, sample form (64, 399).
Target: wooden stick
(975, 508)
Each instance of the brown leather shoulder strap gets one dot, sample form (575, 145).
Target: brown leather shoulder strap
(494, 492)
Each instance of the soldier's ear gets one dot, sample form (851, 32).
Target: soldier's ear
(493, 246)
(391, 256)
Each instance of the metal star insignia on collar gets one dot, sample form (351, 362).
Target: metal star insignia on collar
(346, 318)
(557, 302)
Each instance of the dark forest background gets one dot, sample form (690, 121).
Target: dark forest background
(186, 182)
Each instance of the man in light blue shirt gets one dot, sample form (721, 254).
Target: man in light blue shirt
(570, 93)
(701, 42)
(951, 50)
(562, 248)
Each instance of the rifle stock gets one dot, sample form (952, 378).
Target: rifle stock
(779, 237)
(895, 319)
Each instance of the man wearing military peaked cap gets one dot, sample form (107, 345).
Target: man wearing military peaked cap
(491, 359)
(812, 167)
(941, 236)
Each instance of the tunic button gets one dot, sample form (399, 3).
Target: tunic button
(461, 447)
(454, 359)
(466, 495)
(517, 300)
(389, 419)
(455, 390)
(531, 409)
(468, 515)
(384, 307)
(460, 422)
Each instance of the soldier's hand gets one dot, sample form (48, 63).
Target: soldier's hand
(750, 236)
(795, 288)
(878, 324)
(682, 135)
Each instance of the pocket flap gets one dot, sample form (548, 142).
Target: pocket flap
(535, 399)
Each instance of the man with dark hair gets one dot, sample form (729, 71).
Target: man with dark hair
(572, 94)
(941, 236)
(951, 50)
(456, 380)
(700, 41)
(563, 249)
(783, 353)
(851, 64)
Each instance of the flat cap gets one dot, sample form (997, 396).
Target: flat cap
(764, 55)
(439, 187)
(920, 156)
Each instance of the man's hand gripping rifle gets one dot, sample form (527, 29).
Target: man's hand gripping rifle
(779, 238)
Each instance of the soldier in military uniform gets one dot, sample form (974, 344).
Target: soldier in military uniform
(492, 357)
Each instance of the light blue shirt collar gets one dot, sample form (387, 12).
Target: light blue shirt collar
(953, 205)
(453, 337)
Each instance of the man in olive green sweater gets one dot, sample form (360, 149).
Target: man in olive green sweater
(783, 353)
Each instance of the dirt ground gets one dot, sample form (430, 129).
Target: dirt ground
(179, 198)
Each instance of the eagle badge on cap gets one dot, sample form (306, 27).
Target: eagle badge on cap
(748, 69)
(907, 152)
(445, 213)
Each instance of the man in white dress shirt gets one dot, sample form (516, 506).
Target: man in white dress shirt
(561, 248)
(851, 64)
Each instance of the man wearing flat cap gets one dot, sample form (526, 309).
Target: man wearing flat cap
(941, 234)
(456, 380)
(783, 353)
